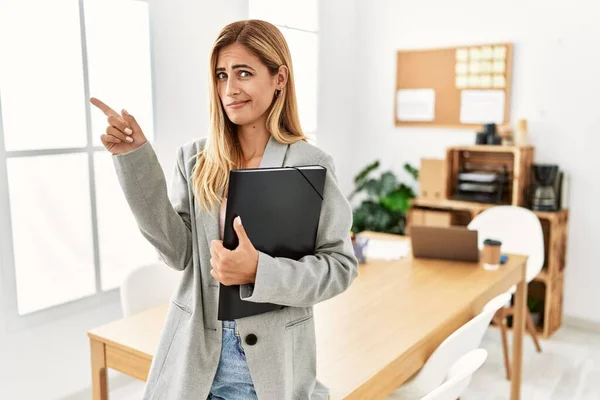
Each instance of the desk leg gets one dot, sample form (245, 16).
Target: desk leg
(99, 383)
(518, 329)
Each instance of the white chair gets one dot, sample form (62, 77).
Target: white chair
(459, 376)
(520, 232)
(465, 339)
(148, 286)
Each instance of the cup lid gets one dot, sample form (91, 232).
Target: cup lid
(492, 242)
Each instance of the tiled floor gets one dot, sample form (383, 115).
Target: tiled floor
(567, 369)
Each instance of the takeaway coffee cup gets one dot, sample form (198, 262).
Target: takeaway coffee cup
(491, 254)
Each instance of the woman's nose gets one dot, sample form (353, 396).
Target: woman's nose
(232, 89)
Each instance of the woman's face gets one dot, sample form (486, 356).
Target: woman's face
(245, 86)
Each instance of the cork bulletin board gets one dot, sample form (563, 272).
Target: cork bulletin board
(457, 87)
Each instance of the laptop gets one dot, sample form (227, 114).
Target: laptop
(449, 243)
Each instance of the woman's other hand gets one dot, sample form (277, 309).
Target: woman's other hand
(234, 267)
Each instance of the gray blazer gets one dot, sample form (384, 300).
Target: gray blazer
(282, 362)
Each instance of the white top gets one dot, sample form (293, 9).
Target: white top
(222, 217)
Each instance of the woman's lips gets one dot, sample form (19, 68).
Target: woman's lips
(237, 105)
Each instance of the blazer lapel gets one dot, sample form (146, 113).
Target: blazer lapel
(210, 220)
(273, 156)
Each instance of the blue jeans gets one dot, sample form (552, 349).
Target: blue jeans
(232, 380)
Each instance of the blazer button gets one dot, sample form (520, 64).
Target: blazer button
(251, 339)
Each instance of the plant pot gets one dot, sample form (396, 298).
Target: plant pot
(537, 318)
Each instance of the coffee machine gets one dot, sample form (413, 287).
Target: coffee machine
(546, 187)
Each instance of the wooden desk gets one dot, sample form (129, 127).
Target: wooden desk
(371, 338)
(126, 345)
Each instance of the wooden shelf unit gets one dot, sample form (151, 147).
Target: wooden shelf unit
(539, 329)
(548, 285)
(516, 160)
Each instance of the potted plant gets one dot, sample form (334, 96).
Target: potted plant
(535, 307)
(386, 200)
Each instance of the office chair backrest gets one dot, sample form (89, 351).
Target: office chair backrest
(459, 376)
(519, 230)
(465, 339)
(148, 286)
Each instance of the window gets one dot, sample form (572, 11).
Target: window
(298, 21)
(66, 231)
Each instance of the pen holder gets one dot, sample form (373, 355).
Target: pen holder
(491, 254)
(360, 245)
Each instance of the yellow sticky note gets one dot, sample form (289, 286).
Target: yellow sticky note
(499, 52)
(499, 81)
(473, 81)
(486, 53)
(485, 67)
(461, 82)
(474, 53)
(461, 68)
(462, 54)
(499, 67)
(485, 81)
(474, 67)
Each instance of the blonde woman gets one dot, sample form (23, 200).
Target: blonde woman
(253, 123)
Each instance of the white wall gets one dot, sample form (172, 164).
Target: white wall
(337, 86)
(555, 86)
(52, 361)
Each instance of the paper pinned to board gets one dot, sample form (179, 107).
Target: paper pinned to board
(415, 104)
(482, 106)
(386, 249)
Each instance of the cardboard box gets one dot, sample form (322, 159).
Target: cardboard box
(438, 218)
(432, 179)
(429, 218)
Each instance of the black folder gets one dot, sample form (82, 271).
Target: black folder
(280, 209)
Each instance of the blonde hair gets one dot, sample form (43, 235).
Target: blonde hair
(222, 151)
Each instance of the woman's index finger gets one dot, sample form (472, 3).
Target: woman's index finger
(103, 107)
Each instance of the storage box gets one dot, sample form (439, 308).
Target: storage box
(429, 218)
(432, 179)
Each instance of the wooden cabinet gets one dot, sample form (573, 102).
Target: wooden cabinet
(554, 225)
(515, 163)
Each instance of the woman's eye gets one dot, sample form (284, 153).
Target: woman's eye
(221, 75)
(245, 72)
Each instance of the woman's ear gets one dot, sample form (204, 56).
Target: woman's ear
(282, 77)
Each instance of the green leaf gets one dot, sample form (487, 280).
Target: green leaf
(398, 227)
(412, 171)
(388, 183)
(408, 190)
(533, 303)
(373, 187)
(397, 201)
(370, 216)
(362, 175)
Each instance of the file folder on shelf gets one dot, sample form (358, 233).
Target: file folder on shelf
(280, 210)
